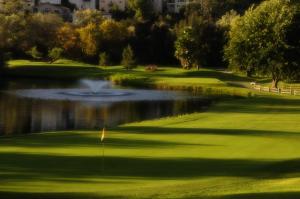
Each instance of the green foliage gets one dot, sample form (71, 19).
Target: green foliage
(266, 39)
(42, 30)
(90, 39)
(13, 31)
(104, 59)
(185, 48)
(35, 53)
(214, 9)
(143, 9)
(128, 60)
(199, 44)
(55, 54)
(87, 16)
(10, 7)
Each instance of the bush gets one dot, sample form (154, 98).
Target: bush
(128, 60)
(151, 68)
(104, 59)
(35, 53)
(54, 54)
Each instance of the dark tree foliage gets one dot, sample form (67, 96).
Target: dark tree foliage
(153, 43)
(68, 4)
(2, 60)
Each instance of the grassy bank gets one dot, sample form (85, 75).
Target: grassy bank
(174, 78)
(240, 149)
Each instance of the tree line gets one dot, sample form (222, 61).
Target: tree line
(255, 36)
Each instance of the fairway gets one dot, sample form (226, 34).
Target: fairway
(249, 151)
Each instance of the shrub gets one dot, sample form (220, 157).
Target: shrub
(128, 60)
(104, 59)
(151, 68)
(35, 53)
(54, 54)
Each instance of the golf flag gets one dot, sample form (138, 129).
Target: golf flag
(103, 135)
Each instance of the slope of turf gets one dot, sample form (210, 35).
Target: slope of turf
(203, 80)
(239, 149)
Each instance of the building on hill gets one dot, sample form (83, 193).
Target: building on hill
(62, 11)
(105, 5)
(174, 6)
(56, 2)
(86, 4)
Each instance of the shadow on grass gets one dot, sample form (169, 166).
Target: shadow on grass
(18, 167)
(260, 105)
(53, 72)
(271, 195)
(48, 195)
(90, 140)
(204, 131)
(216, 74)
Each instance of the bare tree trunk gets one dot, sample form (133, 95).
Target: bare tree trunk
(275, 83)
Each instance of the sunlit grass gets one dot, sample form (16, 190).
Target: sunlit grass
(246, 148)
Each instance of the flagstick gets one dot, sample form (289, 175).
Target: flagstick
(103, 155)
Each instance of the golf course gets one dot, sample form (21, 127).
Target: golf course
(242, 147)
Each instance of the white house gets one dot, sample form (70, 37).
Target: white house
(175, 6)
(56, 2)
(85, 4)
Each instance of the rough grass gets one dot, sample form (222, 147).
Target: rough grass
(239, 149)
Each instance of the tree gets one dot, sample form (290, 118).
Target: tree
(89, 39)
(200, 44)
(42, 31)
(128, 60)
(2, 60)
(143, 9)
(35, 53)
(84, 17)
(104, 59)
(12, 31)
(68, 38)
(14, 7)
(185, 48)
(68, 4)
(114, 36)
(117, 13)
(54, 54)
(266, 40)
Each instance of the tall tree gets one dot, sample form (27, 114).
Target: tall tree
(199, 44)
(90, 39)
(266, 40)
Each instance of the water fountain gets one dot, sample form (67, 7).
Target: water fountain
(99, 91)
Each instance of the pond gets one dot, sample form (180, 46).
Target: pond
(32, 106)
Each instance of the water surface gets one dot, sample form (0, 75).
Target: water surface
(21, 114)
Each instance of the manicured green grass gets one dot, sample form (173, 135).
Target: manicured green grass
(238, 149)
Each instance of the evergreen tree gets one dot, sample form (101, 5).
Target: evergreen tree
(128, 60)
